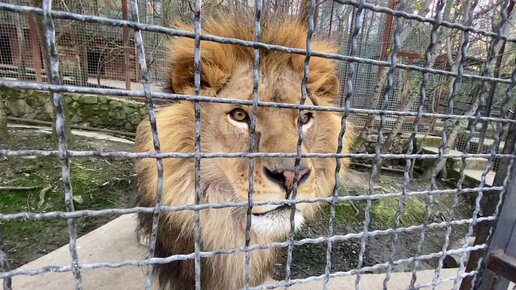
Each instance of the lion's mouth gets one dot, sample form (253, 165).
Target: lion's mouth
(276, 221)
(278, 209)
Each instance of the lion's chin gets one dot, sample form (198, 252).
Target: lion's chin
(275, 223)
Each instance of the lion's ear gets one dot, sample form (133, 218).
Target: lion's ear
(324, 85)
(213, 77)
(182, 77)
(216, 66)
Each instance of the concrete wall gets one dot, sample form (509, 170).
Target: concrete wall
(84, 110)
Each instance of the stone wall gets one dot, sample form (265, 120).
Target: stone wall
(84, 110)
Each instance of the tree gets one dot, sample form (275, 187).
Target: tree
(40, 29)
(4, 133)
(480, 89)
(381, 84)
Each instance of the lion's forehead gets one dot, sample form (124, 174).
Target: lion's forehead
(279, 85)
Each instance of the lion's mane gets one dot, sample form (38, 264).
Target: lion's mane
(221, 228)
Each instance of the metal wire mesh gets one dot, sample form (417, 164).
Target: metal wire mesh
(111, 61)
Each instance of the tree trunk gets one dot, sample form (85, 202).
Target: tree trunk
(458, 126)
(40, 28)
(396, 128)
(368, 127)
(382, 75)
(4, 133)
(81, 53)
(166, 13)
(480, 89)
(304, 13)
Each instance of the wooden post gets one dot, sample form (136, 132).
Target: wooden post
(36, 54)
(125, 36)
(387, 36)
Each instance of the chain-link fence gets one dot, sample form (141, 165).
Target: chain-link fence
(405, 67)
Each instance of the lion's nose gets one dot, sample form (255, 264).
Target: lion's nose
(285, 177)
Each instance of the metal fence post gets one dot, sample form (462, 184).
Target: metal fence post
(495, 272)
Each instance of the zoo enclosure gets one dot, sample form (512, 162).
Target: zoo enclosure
(104, 56)
(489, 78)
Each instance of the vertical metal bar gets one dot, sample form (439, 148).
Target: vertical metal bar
(357, 24)
(375, 173)
(252, 139)
(498, 181)
(493, 202)
(410, 147)
(55, 79)
(503, 238)
(125, 39)
(197, 108)
(155, 139)
(500, 239)
(455, 89)
(462, 173)
(304, 94)
(488, 71)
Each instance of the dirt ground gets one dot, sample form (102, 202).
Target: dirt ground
(100, 183)
(310, 259)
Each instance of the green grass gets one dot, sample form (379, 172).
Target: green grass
(383, 212)
(97, 183)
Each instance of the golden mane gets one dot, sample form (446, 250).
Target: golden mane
(218, 60)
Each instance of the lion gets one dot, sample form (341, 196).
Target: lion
(227, 72)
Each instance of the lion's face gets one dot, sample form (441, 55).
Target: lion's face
(226, 129)
(226, 72)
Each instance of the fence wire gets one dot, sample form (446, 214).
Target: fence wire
(353, 59)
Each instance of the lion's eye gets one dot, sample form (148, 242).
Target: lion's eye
(239, 115)
(307, 117)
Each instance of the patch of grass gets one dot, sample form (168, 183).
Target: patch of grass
(382, 213)
(97, 183)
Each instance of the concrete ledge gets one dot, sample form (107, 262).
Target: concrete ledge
(423, 140)
(473, 163)
(113, 242)
(116, 241)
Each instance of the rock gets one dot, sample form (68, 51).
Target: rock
(119, 115)
(115, 103)
(75, 105)
(103, 107)
(134, 118)
(88, 99)
(75, 118)
(128, 109)
(67, 99)
(16, 108)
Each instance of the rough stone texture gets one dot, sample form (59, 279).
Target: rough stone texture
(85, 110)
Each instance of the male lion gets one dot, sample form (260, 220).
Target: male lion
(226, 72)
